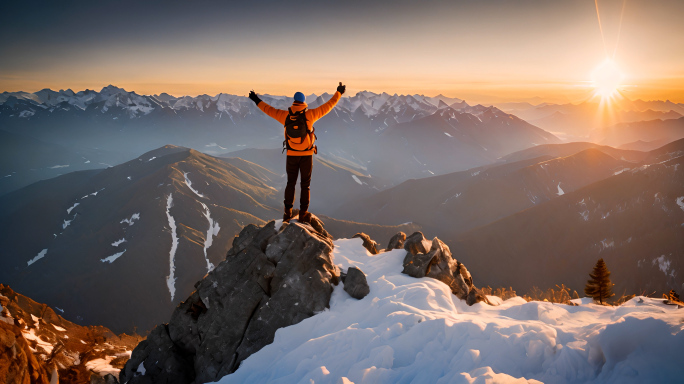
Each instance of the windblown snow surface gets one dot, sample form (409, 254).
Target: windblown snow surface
(411, 330)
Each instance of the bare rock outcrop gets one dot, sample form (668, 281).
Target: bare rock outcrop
(271, 278)
(396, 242)
(416, 243)
(436, 261)
(368, 243)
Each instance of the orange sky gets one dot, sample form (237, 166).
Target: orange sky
(480, 51)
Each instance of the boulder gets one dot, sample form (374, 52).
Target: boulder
(396, 242)
(269, 280)
(368, 243)
(355, 283)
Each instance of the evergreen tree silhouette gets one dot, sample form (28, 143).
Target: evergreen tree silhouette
(599, 286)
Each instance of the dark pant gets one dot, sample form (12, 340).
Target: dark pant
(294, 166)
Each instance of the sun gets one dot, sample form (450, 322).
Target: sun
(607, 79)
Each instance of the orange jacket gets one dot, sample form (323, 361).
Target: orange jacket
(311, 116)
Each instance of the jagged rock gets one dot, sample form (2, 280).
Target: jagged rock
(17, 362)
(416, 243)
(397, 241)
(355, 283)
(438, 263)
(416, 265)
(269, 280)
(461, 285)
(442, 266)
(107, 379)
(368, 243)
(160, 359)
(317, 225)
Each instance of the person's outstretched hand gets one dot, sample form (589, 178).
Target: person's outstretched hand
(341, 88)
(253, 96)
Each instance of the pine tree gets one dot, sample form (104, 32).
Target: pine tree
(599, 286)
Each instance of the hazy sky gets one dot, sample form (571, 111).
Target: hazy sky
(511, 49)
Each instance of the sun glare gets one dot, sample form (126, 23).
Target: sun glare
(607, 79)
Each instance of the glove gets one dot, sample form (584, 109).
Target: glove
(253, 96)
(341, 88)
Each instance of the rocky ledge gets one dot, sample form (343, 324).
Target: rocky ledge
(271, 278)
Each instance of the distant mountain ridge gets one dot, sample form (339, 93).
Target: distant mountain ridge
(113, 125)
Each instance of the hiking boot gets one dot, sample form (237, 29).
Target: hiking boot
(304, 217)
(287, 216)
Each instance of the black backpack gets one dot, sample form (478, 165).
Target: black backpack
(296, 128)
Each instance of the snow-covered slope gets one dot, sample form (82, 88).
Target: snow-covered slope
(415, 331)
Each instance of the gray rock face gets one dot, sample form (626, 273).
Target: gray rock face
(355, 283)
(416, 243)
(368, 243)
(396, 242)
(437, 262)
(269, 280)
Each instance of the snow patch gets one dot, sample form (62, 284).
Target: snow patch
(92, 194)
(31, 335)
(72, 207)
(130, 221)
(113, 257)
(452, 197)
(606, 243)
(66, 223)
(357, 179)
(57, 327)
(170, 279)
(211, 232)
(189, 184)
(663, 264)
(59, 166)
(39, 256)
(475, 173)
(680, 202)
(118, 242)
(560, 190)
(103, 366)
(447, 134)
(152, 158)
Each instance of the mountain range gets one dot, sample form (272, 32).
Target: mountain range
(121, 246)
(128, 217)
(590, 119)
(89, 129)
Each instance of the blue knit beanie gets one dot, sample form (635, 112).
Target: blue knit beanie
(299, 97)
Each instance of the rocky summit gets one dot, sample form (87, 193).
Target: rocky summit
(273, 277)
